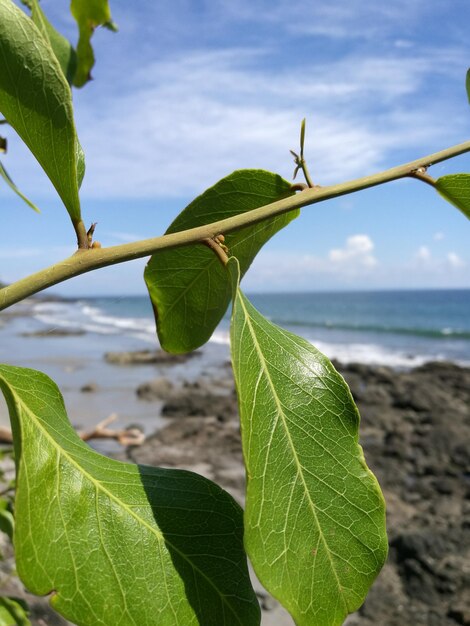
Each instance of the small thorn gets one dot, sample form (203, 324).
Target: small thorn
(302, 137)
(89, 234)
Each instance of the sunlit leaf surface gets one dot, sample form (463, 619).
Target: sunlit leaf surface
(455, 188)
(188, 286)
(61, 47)
(315, 515)
(36, 100)
(118, 543)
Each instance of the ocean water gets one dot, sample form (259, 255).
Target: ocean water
(395, 328)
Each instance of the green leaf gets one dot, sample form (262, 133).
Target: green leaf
(188, 286)
(315, 515)
(36, 100)
(467, 85)
(4, 174)
(89, 14)
(118, 543)
(455, 188)
(61, 47)
(13, 612)
(7, 522)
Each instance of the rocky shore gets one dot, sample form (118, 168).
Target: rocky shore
(415, 431)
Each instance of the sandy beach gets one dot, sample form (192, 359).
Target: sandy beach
(415, 431)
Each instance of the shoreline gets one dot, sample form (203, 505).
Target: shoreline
(415, 431)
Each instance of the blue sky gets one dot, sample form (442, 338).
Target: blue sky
(187, 92)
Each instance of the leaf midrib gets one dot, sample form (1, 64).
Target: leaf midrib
(255, 230)
(99, 485)
(299, 468)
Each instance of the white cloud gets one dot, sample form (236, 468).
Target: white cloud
(357, 253)
(438, 236)
(290, 270)
(403, 43)
(19, 253)
(294, 271)
(455, 261)
(122, 237)
(352, 20)
(30, 252)
(424, 260)
(184, 123)
(427, 269)
(423, 254)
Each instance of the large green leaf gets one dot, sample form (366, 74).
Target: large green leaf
(315, 515)
(455, 188)
(36, 100)
(89, 14)
(119, 543)
(188, 286)
(61, 46)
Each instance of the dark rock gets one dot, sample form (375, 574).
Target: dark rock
(55, 332)
(415, 431)
(89, 388)
(443, 485)
(460, 614)
(147, 357)
(203, 397)
(267, 602)
(202, 444)
(385, 596)
(421, 546)
(418, 582)
(199, 403)
(375, 395)
(157, 389)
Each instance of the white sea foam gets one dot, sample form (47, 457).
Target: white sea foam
(221, 336)
(373, 354)
(92, 319)
(367, 353)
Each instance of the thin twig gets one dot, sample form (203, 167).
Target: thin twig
(5, 435)
(87, 260)
(82, 235)
(125, 436)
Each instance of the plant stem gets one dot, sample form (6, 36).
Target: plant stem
(82, 235)
(300, 160)
(308, 178)
(421, 174)
(87, 260)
